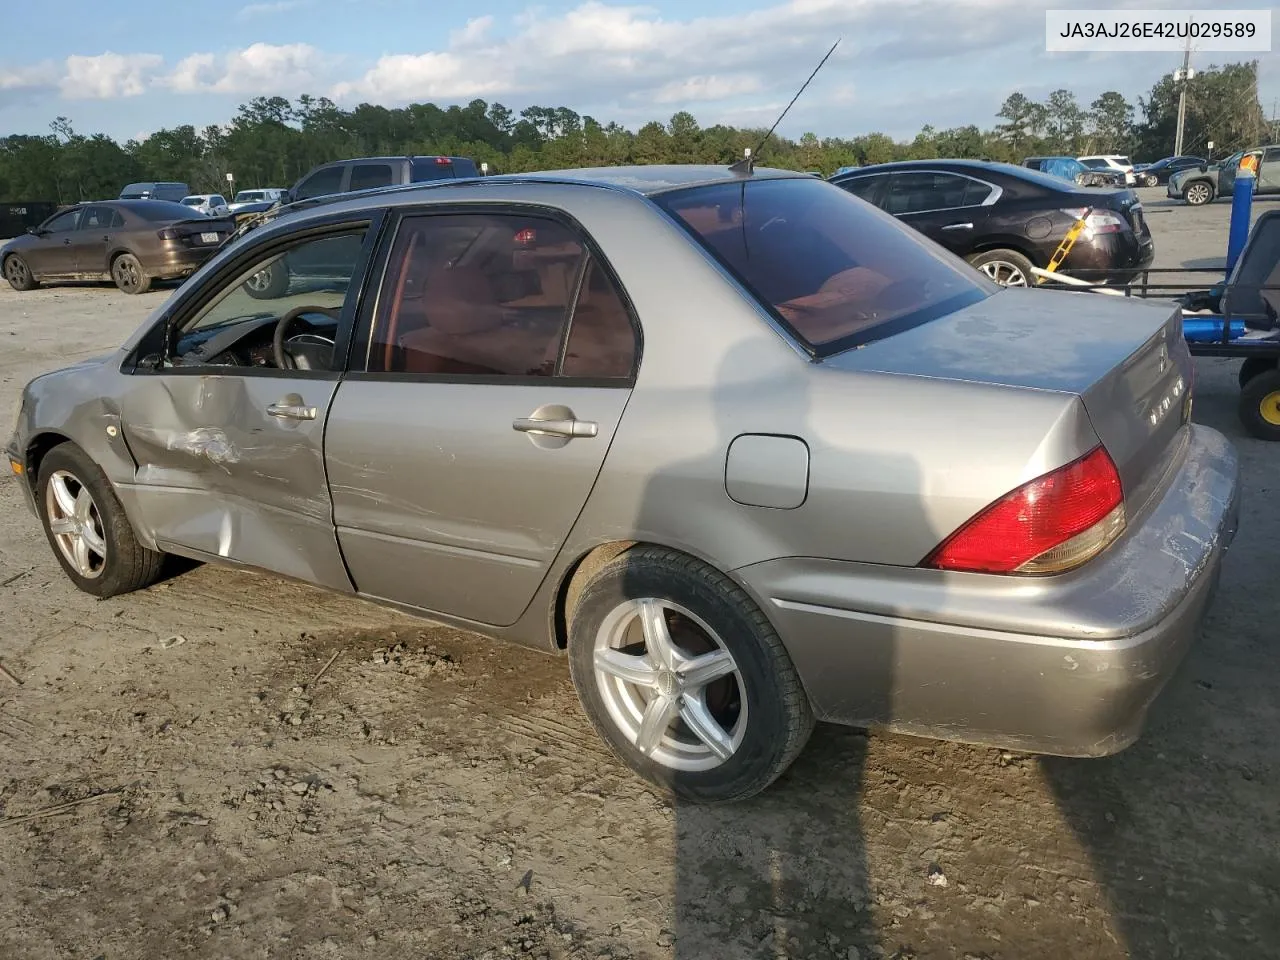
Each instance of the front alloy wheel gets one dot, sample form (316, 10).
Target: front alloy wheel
(1199, 193)
(75, 524)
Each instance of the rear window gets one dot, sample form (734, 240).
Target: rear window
(836, 271)
(192, 201)
(157, 210)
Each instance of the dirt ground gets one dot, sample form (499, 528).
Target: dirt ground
(437, 794)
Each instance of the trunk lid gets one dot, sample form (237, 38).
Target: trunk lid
(1124, 358)
(202, 231)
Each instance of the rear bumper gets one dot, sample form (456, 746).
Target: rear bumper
(1101, 258)
(1062, 665)
(180, 261)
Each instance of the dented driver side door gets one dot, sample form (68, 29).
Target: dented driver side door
(229, 446)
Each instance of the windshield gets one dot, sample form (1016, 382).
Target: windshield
(833, 269)
(1123, 161)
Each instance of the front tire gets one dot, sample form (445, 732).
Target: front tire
(1198, 193)
(685, 678)
(1006, 267)
(128, 274)
(1260, 405)
(18, 273)
(1252, 367)
(87, 527)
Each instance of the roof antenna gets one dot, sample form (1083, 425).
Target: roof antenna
(747, 164)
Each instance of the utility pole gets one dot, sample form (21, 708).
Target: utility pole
(1183, 76)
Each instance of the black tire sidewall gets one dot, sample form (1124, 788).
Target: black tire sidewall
(276, 287)
(763, 754)
(1253, 367)
(1251, 397)
(117, 532)
(124, 258)
(31, 280)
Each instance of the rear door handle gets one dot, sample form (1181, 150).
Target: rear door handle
(557, 428)
(290, 411)
(958, 226)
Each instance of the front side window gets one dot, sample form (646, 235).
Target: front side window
(63, 222)
(863, 187)
(920, 192)
(321, 183)
(303, 287)
(494, 295)
(835, 271)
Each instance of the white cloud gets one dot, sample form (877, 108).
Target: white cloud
(109, 75)
(405, 77)
(261, 68)
(704, 88)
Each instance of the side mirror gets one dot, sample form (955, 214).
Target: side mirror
(37, 231)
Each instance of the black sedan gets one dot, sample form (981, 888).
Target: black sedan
(1159, 172)
(1005, 219)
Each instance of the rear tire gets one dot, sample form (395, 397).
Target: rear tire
(1198, 192)
(1260, 405)
(18, 273)
(127, 272)
(1006, 267)
(270, 283)
(87, 527)
(1252, 367)
(724, 739)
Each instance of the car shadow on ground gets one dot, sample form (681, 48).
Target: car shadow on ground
(1182, 827)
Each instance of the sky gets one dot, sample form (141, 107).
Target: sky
(130, 67)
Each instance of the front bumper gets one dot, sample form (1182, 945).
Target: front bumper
(1064, 665)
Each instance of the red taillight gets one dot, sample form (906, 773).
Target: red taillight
(1048, 525)
(168, 233)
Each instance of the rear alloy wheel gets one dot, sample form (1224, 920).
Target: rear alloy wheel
(685, 678)
(1252, 367)
(269, 283)
(1260, 405)
(18, 273)
(127, 272)
(1152, 181)
(1006, 267)
(1199, 193)
(87, 527)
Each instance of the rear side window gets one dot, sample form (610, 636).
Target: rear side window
(832, 269)
(495, 295)
(365, 176)
(320, 183)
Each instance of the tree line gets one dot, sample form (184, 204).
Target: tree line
(272, 141)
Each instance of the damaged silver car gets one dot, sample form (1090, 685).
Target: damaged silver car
(745, 449)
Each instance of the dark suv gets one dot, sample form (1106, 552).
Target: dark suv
(364, 173)
(1005, 219)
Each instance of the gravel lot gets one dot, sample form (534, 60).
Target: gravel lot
(437, 794)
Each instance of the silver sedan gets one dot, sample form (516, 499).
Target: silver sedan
(746, 450)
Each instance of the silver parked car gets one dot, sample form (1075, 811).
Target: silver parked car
(748, 450)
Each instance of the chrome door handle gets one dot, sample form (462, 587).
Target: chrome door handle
(958, 226)
(557, 428)
(290, 411)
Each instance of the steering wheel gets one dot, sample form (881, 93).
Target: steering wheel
(283, 359)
